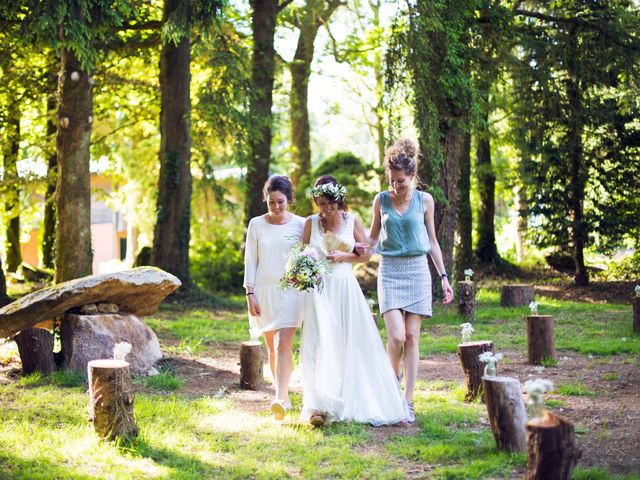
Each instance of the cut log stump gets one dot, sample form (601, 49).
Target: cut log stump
(507, 414)
(551, 447)
(636, 314)
(540, 339)
(111, 399)
(35, 346)
(472, 367)
(467, 300)
(251, 376)
(516, 295)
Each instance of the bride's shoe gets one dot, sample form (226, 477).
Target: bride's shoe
(317, 419)
(279, 409)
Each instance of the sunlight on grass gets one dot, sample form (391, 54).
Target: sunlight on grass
(576, 389)
(164, 381)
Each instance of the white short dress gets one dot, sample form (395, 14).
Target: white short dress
(266, 248)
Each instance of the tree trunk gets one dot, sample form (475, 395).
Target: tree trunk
(464, 250)
(49, 224)
(74, 254)
(522, 207)
(265, 13)
(35, 346)
(507, 414)
(516, 295)
(111, 399)
(4, 299)
(486, 249)
(540, 339)
(251, 365)
(577, 179)
(636, 314)
(472, 367)
(11, 152)
(172, 230)
(552, 449)
(467, 300)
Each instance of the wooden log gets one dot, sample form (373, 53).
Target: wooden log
(35, 346)
(507, 414)
(472, 367)
(111, 399)
(551, 448)
(540, 339)
(516, 295)
(251, 365)
(467, 299)
(636, 314)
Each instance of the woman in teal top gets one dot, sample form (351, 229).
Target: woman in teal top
(404, 232)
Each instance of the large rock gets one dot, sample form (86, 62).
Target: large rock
(92, 337)
(138, 291)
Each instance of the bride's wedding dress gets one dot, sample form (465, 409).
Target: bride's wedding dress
(346, 371)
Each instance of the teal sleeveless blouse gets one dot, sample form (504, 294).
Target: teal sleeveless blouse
(403, 235)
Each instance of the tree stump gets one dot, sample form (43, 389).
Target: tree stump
(516, 295)
(111, 399)
(251, 376)
(551, 447)
(467, 299)
(35, 346)
(636, 314)
(507, 414)
(472, 367)
(540, 339)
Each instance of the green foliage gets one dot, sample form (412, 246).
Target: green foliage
(217, 264)
(165, 381)
(576, 389)
(626, 269)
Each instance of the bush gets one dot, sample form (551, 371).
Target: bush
(218, 264)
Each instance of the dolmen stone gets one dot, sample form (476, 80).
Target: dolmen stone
(138, 291)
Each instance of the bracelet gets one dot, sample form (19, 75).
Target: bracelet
(247, 294)
(444, 275)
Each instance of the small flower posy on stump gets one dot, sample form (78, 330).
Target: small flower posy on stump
(491, 360)
(536, 389)
(637, 290)
(533, 306)
(467, 332)
(468, 273)
(121, 350)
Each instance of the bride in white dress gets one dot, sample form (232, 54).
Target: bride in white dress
(345, 368)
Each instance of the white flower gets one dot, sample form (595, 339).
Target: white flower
(467, 331)
(468, 273)
(121, 350)
(534, 307)
(489, 357)
(637, 290)
(538, 386)
(538, 369)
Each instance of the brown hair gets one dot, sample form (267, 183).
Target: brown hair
(328, 179)
(278, 183)
(402, 155)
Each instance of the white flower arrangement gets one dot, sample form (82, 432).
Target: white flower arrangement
(491, 360)
(533, 306)
(121, 350)
(304, 269)
(536, 389)
(467, 331)
(336, 192)
(637, 290)
(468, 273)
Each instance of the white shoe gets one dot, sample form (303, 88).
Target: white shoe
(279, 409)
(411, 418)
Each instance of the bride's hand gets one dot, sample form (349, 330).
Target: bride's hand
(336, 256)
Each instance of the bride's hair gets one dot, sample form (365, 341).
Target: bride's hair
(330, 180)
(278, 183)
(402, 155)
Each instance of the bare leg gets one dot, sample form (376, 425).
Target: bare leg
(411, 353)
(268, 338)
(284, 361)
(394, 321)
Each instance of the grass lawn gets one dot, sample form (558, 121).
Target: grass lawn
(44, 433)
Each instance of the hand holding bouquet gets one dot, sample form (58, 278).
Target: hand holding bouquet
(304, 269)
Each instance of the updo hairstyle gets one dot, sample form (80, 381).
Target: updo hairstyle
(402, 155)
(278, 183)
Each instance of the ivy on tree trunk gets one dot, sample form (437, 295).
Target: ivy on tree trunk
(464, 250)
(12, 195)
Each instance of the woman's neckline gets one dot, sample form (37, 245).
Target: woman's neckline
(266, 215)
(413, 194)
(342, 225)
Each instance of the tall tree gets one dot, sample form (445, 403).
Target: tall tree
(50, 216)
(264, 16)
(580, 62)
(307, 19)
(11, 196)
(464, 249)
(4, 299)
(172, 231)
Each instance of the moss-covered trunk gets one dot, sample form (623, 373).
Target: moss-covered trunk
(262, 74)
(49, 223)
(4, 299)
(73, 237)
(464, 249)
(172, 229)
(11, 196)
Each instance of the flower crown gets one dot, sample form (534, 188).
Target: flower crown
(336, 192)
